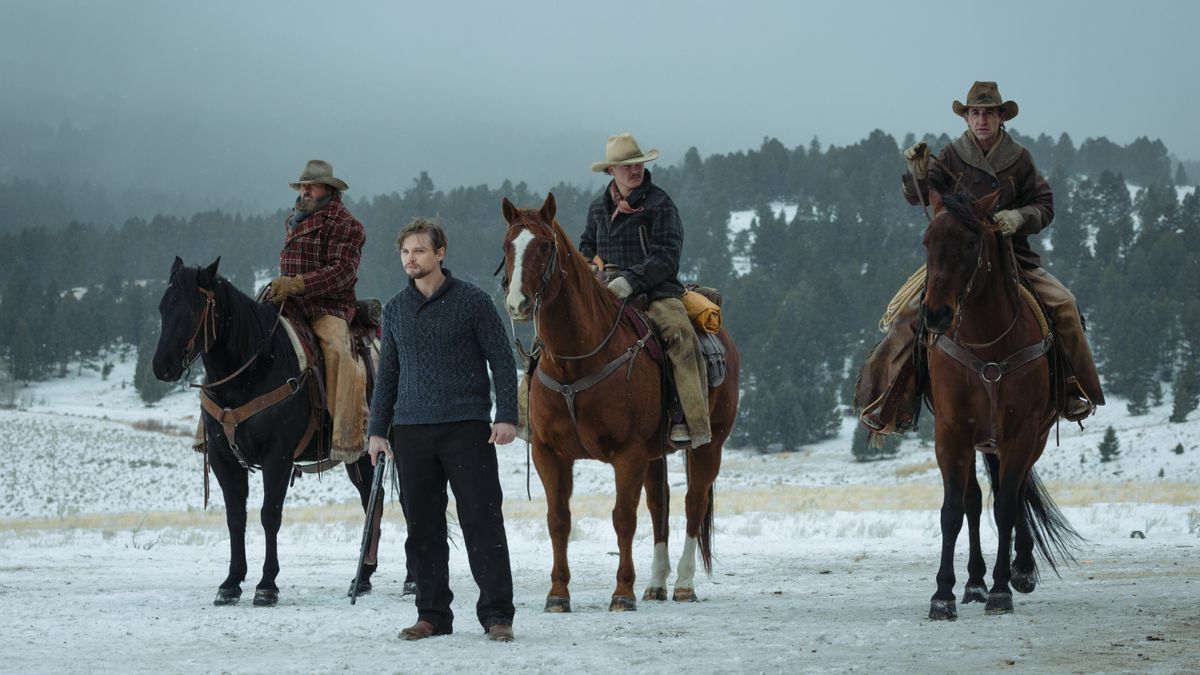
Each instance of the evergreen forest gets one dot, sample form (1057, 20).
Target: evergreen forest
(803, 304)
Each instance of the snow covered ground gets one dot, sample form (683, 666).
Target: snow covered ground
(108, 562)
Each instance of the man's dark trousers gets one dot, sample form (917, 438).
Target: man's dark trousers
(429, 455)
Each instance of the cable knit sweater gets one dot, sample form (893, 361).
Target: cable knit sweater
(434, 360)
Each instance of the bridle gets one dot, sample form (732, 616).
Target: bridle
(537, 346)
(206, 330)
(970, 286)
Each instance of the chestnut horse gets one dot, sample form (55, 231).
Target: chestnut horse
(608, 406)
(990, 387)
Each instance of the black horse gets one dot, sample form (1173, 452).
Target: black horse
(204, 316)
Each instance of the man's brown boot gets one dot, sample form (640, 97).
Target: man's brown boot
(421, 630)
(500, 632)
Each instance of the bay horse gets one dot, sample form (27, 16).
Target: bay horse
(991, 390)
(607, 406)
(204, 316)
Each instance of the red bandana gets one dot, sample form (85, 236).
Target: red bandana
(622, 204)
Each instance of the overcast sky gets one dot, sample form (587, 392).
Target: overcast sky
(201, 93)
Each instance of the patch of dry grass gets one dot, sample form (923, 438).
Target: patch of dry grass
(770, 499)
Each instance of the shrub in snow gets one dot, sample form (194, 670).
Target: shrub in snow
(1110, 447)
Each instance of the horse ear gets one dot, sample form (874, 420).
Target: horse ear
(549, 208)
(177, 265)
(210, 272)
(935, 200)
(986, 204)
(509, 211)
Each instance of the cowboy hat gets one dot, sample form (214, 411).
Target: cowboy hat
(986, 95)
(318, 171)
(623, 149)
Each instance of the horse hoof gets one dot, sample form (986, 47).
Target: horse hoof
(1024, 582)
(621, 603)
(266, 597)
(558, 605)
(684, 595)
(974, 593)
(364, 587)
(942, 610)
(227, 596)
(410, 588)
(654, 593)
(999, 603)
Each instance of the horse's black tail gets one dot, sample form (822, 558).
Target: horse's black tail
(706, 531)
(1053, 536)
(1056, 540)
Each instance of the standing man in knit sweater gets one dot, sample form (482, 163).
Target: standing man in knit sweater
(440, 337)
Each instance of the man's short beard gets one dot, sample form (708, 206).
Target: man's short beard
(419, 273)
(306, 205)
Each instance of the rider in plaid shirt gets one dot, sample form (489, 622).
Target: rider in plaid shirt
(319, 267)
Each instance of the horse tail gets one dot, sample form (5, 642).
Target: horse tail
(705, 536)
(706, 531)
(1055, 538)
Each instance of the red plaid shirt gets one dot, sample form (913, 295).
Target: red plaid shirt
(324, 250)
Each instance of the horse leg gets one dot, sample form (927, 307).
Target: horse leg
(1006, 507)
(976, 588)
(1024, 567)
(276, 473)
(702, 467)
(557, 481)
(658, 502)
(235, 486)
(955, 472)
(630, 473)
(1025, 573)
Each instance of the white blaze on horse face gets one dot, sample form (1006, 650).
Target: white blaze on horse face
(515, 297)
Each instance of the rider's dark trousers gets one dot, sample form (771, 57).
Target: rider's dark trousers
(428, 457)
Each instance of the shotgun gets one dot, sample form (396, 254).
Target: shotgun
(372, 502)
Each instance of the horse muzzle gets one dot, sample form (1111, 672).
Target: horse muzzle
(521, 311)
(937, 321)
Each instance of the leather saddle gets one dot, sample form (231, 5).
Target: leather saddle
(364, 343)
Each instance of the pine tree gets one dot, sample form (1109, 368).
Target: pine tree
(1181, 176)
(148, 386)
(1186, 391)
(1110, 447)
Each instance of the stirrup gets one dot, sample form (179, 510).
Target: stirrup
(680, 434)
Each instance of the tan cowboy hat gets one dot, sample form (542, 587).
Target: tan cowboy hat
(623, 149)
(319, 171)
(986, 95)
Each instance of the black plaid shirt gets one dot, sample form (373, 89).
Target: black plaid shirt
(616, 240)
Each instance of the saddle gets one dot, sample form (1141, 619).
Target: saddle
(710, 346)
(364, 344)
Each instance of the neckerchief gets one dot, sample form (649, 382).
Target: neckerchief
(621, 202)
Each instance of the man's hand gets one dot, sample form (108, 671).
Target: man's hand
(1009, 221)
(620, 287)
(502, 433)
(379, 445)
(917, 158)
(285, 286)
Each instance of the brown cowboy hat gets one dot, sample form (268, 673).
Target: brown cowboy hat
(319, 171)
(986, 95)
(623, 149)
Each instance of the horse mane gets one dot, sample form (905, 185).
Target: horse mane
(244, 322)
(961, 206)
(596, 299)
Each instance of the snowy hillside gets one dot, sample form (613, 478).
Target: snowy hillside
(821, 563)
